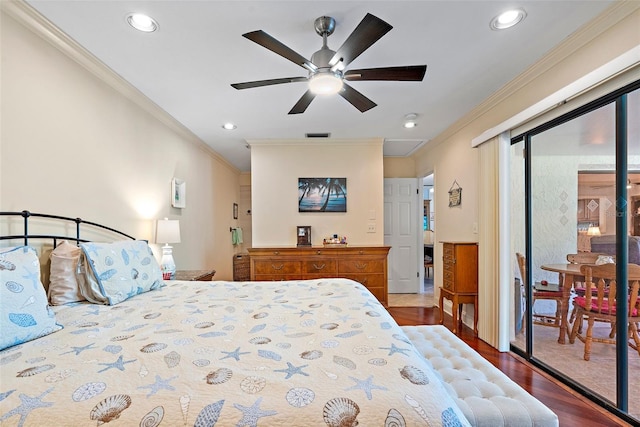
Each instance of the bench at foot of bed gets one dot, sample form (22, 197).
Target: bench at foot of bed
(486, 396)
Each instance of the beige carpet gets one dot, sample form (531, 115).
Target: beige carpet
(423, 299)
(598, 374)
(411, 300)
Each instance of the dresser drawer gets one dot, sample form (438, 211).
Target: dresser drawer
(276, 267)
(376, 283)
(448, 250)
(448, 284)
(319, 266)
(275, 277)
(362, 265)
(448, 275)
(369, 280)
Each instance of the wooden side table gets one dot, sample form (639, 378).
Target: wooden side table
(195, 275)
(458, 299)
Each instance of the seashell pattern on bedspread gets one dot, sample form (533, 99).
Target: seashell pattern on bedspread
(298, 353)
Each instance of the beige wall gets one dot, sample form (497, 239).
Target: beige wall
(275, 169)
(450, 154)
(74, 144)
(399, 167)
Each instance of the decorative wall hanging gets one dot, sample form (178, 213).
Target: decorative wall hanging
(178, 193)
(455, 194)
(322, 194)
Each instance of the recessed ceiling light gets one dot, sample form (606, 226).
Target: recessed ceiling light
(507, 19)
(410, 120)
(229, 126)
(142, 22)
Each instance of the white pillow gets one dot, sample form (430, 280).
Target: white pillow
(24, 313)
(63, 285)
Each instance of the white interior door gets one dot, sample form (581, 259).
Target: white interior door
(401, 233)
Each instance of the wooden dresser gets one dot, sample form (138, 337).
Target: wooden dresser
(364, 264)
(460, 279)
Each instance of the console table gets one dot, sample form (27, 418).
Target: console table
(364, 264)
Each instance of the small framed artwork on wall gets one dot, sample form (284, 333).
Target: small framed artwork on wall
(178, 193)
(322, 194)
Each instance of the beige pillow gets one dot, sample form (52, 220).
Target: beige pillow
(63, 285)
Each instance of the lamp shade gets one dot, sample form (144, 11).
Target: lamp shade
(593, 230)
(168, 231)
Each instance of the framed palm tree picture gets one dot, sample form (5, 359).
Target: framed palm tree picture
(322, 194)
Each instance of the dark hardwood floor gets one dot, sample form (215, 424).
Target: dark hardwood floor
(572, 408)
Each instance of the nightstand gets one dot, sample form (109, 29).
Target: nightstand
(195, 275)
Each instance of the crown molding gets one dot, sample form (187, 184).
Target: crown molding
(39, 25)
(585, 34)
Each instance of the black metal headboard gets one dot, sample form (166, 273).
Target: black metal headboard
(25, 236)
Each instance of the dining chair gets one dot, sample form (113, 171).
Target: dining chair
(428, 264)
(545, 319)
(599, 305)
(578, 287)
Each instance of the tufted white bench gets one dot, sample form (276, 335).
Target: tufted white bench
(486, 396)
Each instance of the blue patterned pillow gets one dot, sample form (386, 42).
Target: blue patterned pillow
(114, 272)
(24, 309)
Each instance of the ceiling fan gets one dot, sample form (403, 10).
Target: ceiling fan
(326, 69)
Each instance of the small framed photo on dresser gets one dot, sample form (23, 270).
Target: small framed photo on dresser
(303, 235)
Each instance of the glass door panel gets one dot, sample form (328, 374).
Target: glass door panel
(633, 196)
(572, 199)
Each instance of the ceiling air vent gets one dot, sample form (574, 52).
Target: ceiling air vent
(318, 135)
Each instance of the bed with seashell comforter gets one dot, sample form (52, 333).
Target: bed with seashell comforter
(298, 353)
(111, 342)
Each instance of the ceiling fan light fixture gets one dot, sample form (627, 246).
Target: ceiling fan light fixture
(325, 83)
(507, 19)
(142, 22)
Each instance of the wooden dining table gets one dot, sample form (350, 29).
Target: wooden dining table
(568, 274)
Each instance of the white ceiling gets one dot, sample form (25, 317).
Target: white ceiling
(187, 66)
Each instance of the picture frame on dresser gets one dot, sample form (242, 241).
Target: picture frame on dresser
(303, 235)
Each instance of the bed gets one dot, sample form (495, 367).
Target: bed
(294, 353)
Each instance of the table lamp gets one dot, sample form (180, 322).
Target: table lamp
(593, 230)
(168, 231)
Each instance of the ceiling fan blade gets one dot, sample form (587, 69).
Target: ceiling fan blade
(414, 73)
(303, 103)
(259, 83)
(265, 40)
(356, 99)
(368, 31)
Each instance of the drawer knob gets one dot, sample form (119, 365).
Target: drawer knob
(276, 252)
(319, 253)
(277, 267)
(318, 267)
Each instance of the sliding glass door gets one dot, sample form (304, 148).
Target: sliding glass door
(576, 194)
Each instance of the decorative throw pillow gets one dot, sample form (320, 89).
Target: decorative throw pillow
(24, 313)
(63, 285)
(113, 272)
